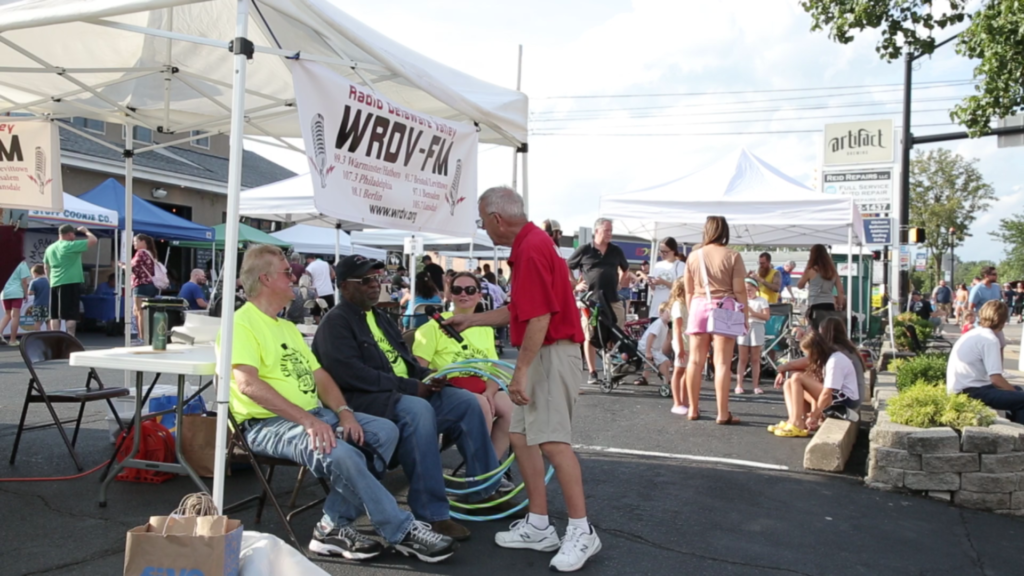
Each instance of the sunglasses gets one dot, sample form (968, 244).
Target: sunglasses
(469, 290)
(365, 280)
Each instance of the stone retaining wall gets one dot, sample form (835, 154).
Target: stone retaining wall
(980, 468)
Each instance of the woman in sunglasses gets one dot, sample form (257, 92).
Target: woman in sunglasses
(435, 349)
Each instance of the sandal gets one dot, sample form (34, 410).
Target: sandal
(791, 432)
(728, 421)
(738, 390)
(773, 427)
(757, 390)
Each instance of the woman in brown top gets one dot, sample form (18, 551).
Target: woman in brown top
(725, 274)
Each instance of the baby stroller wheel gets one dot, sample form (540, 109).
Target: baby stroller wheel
(607, 386)
(665, 391)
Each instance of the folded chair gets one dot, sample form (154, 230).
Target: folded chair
(240, 451)
(40, 347)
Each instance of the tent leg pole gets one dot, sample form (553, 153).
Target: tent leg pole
(526, 185)
(337, 257)
(849, 277)
(117, 277)
(230, 254)
(865, 295)
(129, 195)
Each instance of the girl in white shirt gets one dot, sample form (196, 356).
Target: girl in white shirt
(749, 345)
(664, 273)
(829, 379)
(677, 311)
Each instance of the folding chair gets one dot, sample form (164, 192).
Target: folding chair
(777, 333)
(39, 347)
(240, 451)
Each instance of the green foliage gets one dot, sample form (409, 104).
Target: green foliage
(927, 406)
(1011, 233)
(903, 341)
(994, 38)
(966, 271)
(895, 364)
(947, 192)
(929, 369)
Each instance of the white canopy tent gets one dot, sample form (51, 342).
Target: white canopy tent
(167, 65)
(395, 239)
(318, 240)
(77, 212)
(763, 206)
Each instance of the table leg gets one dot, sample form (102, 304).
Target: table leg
(137, 435)
(177, 445)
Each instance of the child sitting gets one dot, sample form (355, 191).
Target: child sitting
(653, 341)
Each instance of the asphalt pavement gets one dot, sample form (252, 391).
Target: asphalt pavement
(666, 495)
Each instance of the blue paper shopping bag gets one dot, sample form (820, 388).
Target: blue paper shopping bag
(170, 420)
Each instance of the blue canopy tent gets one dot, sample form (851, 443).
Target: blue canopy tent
(146, 218)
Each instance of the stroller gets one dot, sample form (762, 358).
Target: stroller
(620, 351)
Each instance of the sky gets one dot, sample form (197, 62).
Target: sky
(610, 48)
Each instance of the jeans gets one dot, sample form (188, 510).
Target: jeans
(455, 413)
(354, 490)
(999, 399)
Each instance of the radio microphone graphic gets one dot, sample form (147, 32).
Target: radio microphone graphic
(41, 169)
(453, 190)
(319, 148)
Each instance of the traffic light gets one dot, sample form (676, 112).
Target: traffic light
(876, 254)
(916, 235)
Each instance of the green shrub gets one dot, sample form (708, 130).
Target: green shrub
(894, 365)
(962, 411)
(930, 368)
(903, 342)
(926, 406)
(920, 406)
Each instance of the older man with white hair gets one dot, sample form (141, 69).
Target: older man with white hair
(786, 271)
(545, 326)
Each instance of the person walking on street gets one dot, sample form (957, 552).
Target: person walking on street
(605, 270)
(546, 328)
(63, 265)
(322, 275)
(960, 304)
(13, 297)
(942, 296)
(987, 289)
(724, 278)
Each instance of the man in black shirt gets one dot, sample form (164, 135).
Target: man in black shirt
(605, 270)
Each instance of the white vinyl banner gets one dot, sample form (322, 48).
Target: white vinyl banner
(30, 165)
(378, 163)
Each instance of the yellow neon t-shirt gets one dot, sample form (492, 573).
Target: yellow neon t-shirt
(276, 349)
(397, 364)
(768, 294)
(436, 347)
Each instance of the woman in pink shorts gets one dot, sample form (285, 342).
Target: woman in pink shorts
(725, 274)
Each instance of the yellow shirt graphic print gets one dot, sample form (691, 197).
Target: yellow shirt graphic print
(397, 364)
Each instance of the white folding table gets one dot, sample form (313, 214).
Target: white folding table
(178, 359)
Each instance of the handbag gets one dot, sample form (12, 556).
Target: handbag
(722, 321)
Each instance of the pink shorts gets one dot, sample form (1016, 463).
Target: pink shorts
(699, 312)
(13, 303)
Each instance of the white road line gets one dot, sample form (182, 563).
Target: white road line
(730, 461)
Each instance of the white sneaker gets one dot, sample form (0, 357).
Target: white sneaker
(577, 548)
(525, 536)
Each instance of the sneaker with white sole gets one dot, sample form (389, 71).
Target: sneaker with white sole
(577, 547)
(524, 535)
(422, 542)
(345, 542)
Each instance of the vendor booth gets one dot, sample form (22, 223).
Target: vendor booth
(306, 239)
(172, 66)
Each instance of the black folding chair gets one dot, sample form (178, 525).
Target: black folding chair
(40, 347)
(240, 451)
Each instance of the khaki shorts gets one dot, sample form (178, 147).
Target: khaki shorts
(552, 384)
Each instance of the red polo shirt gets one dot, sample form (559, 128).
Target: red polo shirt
(541, 286)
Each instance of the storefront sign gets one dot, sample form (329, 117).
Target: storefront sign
(379, 163)
(867, 142)
(870, 189)
(30, 166)
(878, 230)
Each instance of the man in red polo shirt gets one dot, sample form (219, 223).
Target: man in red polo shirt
(544, 324)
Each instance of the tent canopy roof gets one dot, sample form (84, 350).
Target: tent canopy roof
(288, 200)
(78, 212)
(319, 240)
(395, 240)
(146, 218)
(246, 235)
(763, 206)
(185, 50)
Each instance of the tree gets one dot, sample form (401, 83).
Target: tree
(994, 37)
(1011, 232)
(946, 191)
(968, 271)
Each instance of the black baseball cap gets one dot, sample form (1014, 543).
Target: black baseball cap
(915, 293)
(356, 266)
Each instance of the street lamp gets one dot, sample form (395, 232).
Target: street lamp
(952, 256)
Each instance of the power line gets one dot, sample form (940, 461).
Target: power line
(752, 120)
(575, 134)
(775, 90)
(755, 110)
(785, 99)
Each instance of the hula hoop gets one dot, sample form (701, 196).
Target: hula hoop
(494, 476)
